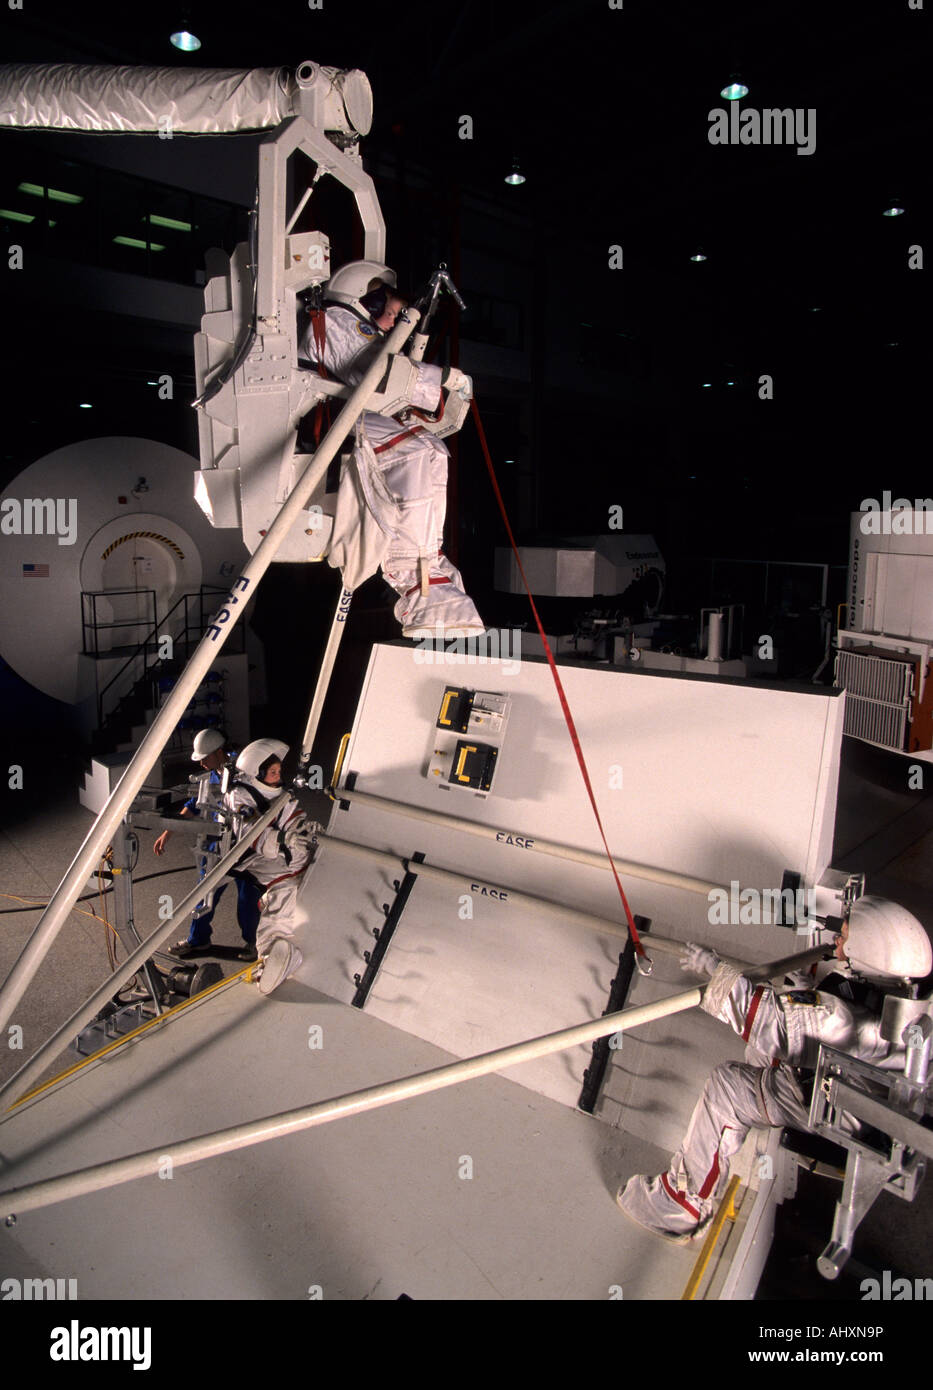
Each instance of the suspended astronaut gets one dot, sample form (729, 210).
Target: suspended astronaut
(392, 499)
(278, 857)
(880, 944)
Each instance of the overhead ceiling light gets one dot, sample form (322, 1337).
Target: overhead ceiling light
(699, 254)
(84, 405)
(894, 209)
(516, 176)
(135, 242)
(706, 383)
(55, 194)
(172, 223)
(734, 89)
(187, 42)
(17, 216)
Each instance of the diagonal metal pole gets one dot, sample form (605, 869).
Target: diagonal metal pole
(65, 895)
(337, 628)
(22, 1079)
(17, 1201)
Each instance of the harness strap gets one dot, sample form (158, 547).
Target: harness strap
(397, 438)
(415, 587)
(319, 332)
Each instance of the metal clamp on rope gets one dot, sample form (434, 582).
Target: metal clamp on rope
(644, 964)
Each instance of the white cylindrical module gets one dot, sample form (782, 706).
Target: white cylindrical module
(100, 515)
(714, 642)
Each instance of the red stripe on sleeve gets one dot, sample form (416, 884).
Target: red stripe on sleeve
(756, 1000)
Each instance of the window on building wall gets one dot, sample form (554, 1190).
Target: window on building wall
(74, 211)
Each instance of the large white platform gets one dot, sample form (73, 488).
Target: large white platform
(369, 1207)
(720, 780)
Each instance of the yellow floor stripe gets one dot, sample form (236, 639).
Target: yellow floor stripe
(725, 1213)
(244, 974)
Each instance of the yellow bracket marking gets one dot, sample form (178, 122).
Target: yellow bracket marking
(462, 760)
(338, 766)
(442, 717)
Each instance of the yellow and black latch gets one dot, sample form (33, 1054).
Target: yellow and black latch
(473, 765)
(456, 707)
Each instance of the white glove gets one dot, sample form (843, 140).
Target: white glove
(455, 380)
(698, 960)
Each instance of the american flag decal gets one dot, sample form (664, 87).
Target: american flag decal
(35, 571)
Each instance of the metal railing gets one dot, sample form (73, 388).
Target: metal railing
(191, 631)
(92, 625)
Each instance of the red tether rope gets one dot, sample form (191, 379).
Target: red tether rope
(633, 931)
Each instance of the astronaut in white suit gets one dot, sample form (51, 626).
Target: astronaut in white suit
(392, 500)
(881, 942)
(277, 858)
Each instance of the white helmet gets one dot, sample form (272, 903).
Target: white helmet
(351, 282)
(252, 762)
(206, 742)
(886, 942)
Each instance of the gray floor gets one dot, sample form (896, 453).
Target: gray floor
(424, 1197)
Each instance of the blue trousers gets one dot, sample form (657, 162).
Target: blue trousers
(249, 891)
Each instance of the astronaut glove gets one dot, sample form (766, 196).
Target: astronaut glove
(699, 960)
(455, 380)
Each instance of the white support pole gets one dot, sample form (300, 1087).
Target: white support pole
(337, 628)
(535, 843)
(574, 915)
(65, 895)
(452, 876)
(15, 1202)
(22, 1079)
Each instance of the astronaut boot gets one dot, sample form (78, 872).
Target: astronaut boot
(281, 961)
(445, 610)
(647, 1202)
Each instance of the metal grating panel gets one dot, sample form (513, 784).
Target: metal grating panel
(878, 696)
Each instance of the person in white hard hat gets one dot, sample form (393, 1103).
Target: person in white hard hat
(278, 857)
(880, 944)
(392, 501)
(210, 750)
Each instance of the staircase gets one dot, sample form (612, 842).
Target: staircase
(221, 701)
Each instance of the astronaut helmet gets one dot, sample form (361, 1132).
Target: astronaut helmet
(362, 286)
(886, 942)
(206, 741)
(255, 760)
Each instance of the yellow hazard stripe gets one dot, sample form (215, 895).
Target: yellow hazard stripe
(148, 535)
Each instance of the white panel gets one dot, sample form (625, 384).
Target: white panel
(908, 596)
(724, 781)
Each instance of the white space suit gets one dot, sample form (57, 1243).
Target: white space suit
(783, 1032)
(392, 500)
(279, 857)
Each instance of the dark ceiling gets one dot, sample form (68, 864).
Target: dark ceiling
(607, 111)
